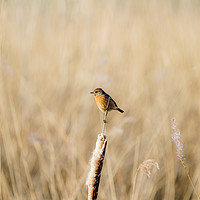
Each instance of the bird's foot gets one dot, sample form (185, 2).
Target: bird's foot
(104, 121)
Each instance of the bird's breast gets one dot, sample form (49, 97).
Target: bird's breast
(101, 102)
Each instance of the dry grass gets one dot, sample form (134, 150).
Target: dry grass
(146, 168)
(53, 53)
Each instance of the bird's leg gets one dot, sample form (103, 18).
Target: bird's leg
(104, 121)
(106, 113)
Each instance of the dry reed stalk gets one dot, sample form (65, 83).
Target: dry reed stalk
(175, 136)
(96, 165)
(145, 167)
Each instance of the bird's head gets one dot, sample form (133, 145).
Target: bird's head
(97, 92)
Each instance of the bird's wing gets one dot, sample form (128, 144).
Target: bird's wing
(111, 100)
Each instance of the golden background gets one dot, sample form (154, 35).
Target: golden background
(145, 54)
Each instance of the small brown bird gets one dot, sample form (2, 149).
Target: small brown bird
(102, 99)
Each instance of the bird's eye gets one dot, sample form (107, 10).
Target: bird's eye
(96, 91)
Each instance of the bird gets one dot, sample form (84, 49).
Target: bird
(104, 101)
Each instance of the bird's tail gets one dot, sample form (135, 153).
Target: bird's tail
(120, 110)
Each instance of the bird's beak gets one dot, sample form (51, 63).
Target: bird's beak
(91, 92)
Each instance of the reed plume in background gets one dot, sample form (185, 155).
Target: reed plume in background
(175, 136)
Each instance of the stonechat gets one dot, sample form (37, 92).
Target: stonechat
(104, 101)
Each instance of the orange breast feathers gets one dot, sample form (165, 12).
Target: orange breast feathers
(102, 103)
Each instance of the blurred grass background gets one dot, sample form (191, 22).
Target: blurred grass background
(146, 54)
